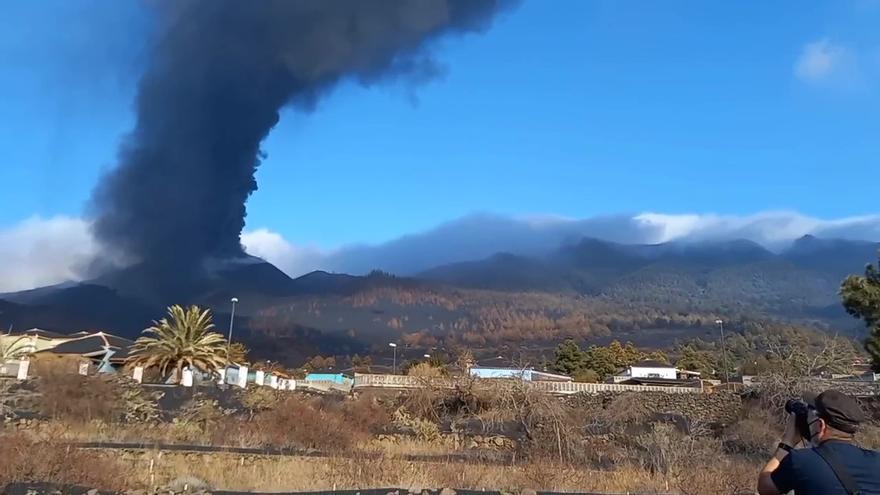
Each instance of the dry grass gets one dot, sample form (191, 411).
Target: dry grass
(25, 460)
(267, 474)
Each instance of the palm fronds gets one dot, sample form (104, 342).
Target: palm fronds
(184, 339)
(14, 349)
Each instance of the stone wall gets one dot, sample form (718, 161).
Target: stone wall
(719, 407)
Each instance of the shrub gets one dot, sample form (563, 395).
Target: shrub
(365, 415)
(754, 435)
(425, 370)
(28, 460)
(666, 450)
(624, 409)
(258, 399)
(77, 398)
(423, 429)
(296, 423)
(586, 376)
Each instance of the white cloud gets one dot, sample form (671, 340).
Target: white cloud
(272, 247)
(829, 64)
(41, 251)
(771, 229)
(819, 60)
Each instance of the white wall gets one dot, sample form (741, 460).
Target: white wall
(639, 372)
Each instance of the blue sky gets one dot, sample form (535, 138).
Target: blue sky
(573, 108)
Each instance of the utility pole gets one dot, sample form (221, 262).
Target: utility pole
(720, 324)
(234, 301)
(394, 367)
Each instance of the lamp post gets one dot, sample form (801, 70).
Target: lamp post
(234, 301)
(720, 324)
(394, 366)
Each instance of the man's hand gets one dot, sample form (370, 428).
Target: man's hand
(792, 436)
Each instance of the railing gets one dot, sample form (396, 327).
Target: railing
(565, 388)
(398, 381)
(556, 388)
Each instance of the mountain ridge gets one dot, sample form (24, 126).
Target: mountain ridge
(586, 289)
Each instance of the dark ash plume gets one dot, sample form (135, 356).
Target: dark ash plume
(221, 72)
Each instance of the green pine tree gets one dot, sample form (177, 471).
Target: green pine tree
(693, 360)
(605, 361)
(861, 298)
(569, 358)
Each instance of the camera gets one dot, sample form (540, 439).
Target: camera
(800, 409)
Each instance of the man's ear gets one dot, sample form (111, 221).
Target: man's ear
(823, 427)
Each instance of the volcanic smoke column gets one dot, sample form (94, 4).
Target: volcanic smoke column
(220, 73)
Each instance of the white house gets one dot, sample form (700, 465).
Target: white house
(653, 370)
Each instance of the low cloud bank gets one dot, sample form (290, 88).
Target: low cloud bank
(41, 251)
(480, 236)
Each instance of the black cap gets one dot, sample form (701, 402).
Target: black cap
(839, 410)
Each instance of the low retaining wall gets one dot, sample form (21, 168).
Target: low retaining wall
(718, 407)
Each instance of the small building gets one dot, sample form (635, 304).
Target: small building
(106, 351)
(339, 378)
(650, 372)
(646, 369)
(528, 375)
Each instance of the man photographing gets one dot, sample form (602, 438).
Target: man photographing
(833, 464)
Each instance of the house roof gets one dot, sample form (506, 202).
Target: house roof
(550, 375)
(94, 345)
(689, 373)
(39, 332)
(650, 363)
(490, 368)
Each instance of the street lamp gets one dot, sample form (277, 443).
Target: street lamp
(394, 367)
(720, 324)
(234, 301)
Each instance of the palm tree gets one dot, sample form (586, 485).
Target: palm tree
(184, 340)
(14, 349)
(238, 353)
